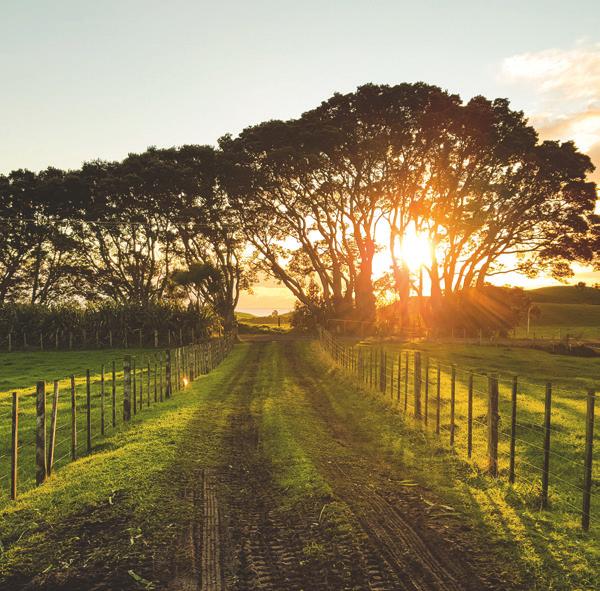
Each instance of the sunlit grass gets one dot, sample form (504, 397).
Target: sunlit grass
(550, 542)
(130, 488)
(21, 371)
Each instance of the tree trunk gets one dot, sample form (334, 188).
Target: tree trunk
(402, 284)
(363, 292)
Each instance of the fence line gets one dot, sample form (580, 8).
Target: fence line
(415, 386)
(80, 338)
(50, 427)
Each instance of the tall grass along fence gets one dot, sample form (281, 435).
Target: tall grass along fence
(538, 438)
(57, 422)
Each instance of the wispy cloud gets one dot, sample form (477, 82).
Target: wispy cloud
(559, 74)
(566, 88)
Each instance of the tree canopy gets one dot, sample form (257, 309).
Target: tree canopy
(313, 202)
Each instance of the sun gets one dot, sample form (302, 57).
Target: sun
(415, 248)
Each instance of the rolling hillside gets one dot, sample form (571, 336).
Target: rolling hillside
(565, 294)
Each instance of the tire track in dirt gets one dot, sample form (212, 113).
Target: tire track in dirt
(211, 575)
(260, 554)
(419, 557)
(267, 544)
(192, 567)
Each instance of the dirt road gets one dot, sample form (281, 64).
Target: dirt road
(378, 536)
(275, 473)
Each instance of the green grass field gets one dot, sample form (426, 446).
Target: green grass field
(20, 373)
(281, 319)
(571, 378)
(565, 294)
(129, 480)
(122, 512)
(557, 320)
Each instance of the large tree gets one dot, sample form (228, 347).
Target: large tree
(317, 195)
(38, 257)
(275, 179)
(209, 243)
(125, 236)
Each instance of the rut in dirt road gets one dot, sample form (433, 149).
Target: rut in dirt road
(247, 539)
(421, 559)
(267, 546)
(259, 555)
(198, 559)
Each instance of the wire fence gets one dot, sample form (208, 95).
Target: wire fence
(512, 428)
(55, 423)
(77, 338)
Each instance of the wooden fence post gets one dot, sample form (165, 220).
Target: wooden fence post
(134, 379)
(470, 416)
(53, 417)
(73, 419)
(127, 388)
(14, 448)
(587, 474)
(382, 371)
(40, 434)
(399, 385)
(114, 395)
(406, 383)
(155, 384)
(438, 398)
(10, 342)
(178, 352)
(160, 391)
(102, 400)
(547, 429)
(168, 374)
(148, 383)
(417, 384)
(88, 409)
(426, 390)
(492, 421)
(513, 430)
(452, 405)
(141, 385)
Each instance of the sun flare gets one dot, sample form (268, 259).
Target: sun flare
(415, 248)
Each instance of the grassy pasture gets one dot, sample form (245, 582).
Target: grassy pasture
(21, 371)
(125, 505)
(128, 486)
(571, 378)
(565, 294)
(556, 320)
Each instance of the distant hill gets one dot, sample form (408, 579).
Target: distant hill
(565, 294)
(244, 315)
(284, 318)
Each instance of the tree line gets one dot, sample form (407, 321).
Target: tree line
(309, 201)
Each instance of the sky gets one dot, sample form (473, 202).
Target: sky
(84, 80)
